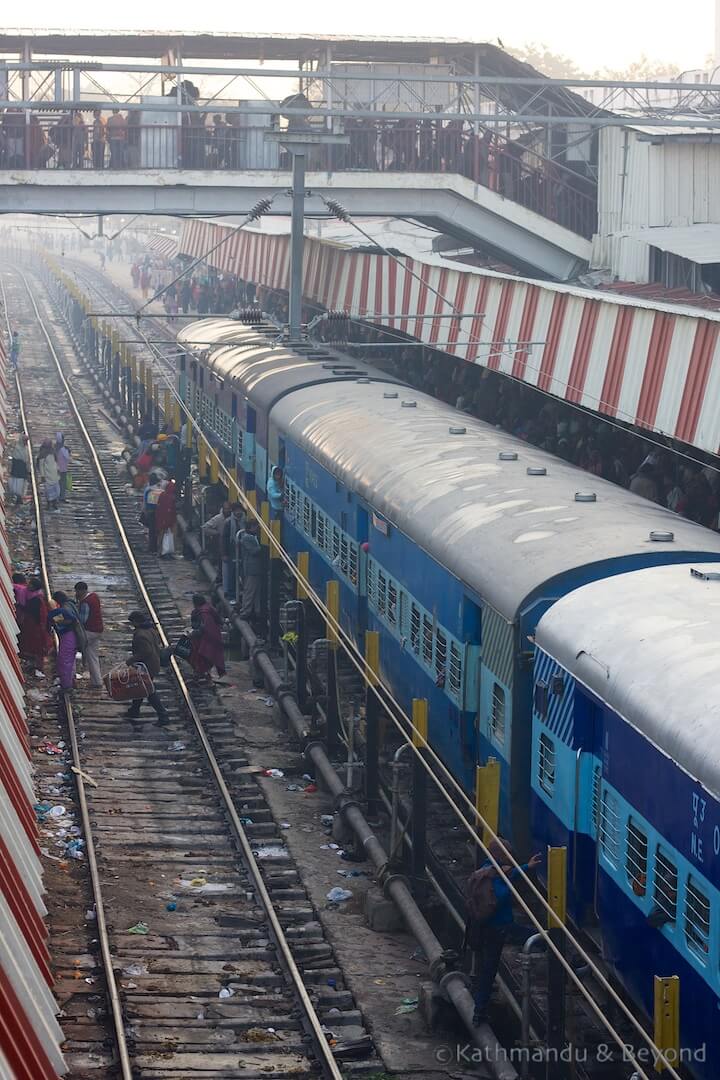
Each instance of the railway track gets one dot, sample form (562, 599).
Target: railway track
(214, 961)
(450, 856)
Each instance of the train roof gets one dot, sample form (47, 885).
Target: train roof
(502, 531)
(648, 644)
(246, 357)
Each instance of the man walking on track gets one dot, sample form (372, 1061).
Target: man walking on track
(91, 617)
(146, 650)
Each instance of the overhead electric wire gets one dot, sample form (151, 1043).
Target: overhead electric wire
(404, 724)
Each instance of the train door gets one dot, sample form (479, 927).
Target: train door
(587, 808)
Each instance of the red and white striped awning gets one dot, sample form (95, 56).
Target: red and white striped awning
(653, 365)
(167, 246)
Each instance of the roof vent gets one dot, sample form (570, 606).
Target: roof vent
(409, 404)
(585, 496)
(507, 455)
(363, 380)
(701, 576)
(388, 394)
(661, 536)
(457, 430)
(536, 470)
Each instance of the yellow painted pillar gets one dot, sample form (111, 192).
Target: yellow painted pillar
(303, 565)
(419, 722)
(275, 529)
(188, 433)
(487, 796)
(332, 603)
(202, 458)
(557, 886)
(265, 516)
(667, 1020)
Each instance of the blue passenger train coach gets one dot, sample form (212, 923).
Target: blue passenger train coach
(626, 773)
(471, 534)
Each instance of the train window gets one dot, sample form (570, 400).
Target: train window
(636, 858)
(497, 713)
(427, 640)
(343, 555)
(541, 699)
(595, 799)
(546, 764)
(392, 603)
(353, 564)
(239, 440)
(381, 592)
(321, 535)
(402, 613)
(455, 670)
(666, 882)
(335, 542)
(307, 516)
(609, 827)
(697, 920)
(415, 629)
(372, 583)
(440, 657)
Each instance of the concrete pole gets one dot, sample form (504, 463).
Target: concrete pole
(297, 239)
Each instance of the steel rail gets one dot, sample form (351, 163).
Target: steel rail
(111, 981)
(313, 1025)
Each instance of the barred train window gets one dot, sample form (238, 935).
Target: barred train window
(353, 573)
(372, 583)
(321, 531)
(697, 920)
(546, 764)
(666, 882)
(636, 858)
(382, 592)
(335, 542)
(440, 652)
(343, 554)
(392, 599)
(609, 827)
(307, 520)
(497, 713)
(595, 804)
(427, 640)
(455, 670)
(415, 629)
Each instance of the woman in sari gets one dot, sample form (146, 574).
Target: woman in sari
(34, 640)
(207, 644)
(65, 621)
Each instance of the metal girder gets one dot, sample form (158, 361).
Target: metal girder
(451, 203)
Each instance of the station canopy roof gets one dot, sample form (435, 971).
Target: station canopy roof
(153, 44)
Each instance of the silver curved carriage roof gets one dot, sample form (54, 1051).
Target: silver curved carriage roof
(502, 532)
(648, 644)
(262, 371)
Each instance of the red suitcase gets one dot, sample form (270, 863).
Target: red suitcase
(128, 682)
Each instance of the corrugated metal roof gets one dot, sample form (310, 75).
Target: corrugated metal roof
(698, 243)
(693, 130)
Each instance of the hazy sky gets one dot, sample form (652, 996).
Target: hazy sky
(596, 34)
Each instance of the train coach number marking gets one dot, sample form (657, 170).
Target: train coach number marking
(699, 806)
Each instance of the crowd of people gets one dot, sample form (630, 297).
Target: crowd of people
(202, 293)
(113, 139)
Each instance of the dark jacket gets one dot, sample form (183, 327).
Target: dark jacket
(146, 648)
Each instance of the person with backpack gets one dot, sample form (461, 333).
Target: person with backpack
(490, 921)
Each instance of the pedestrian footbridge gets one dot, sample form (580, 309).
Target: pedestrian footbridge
(451, 203)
